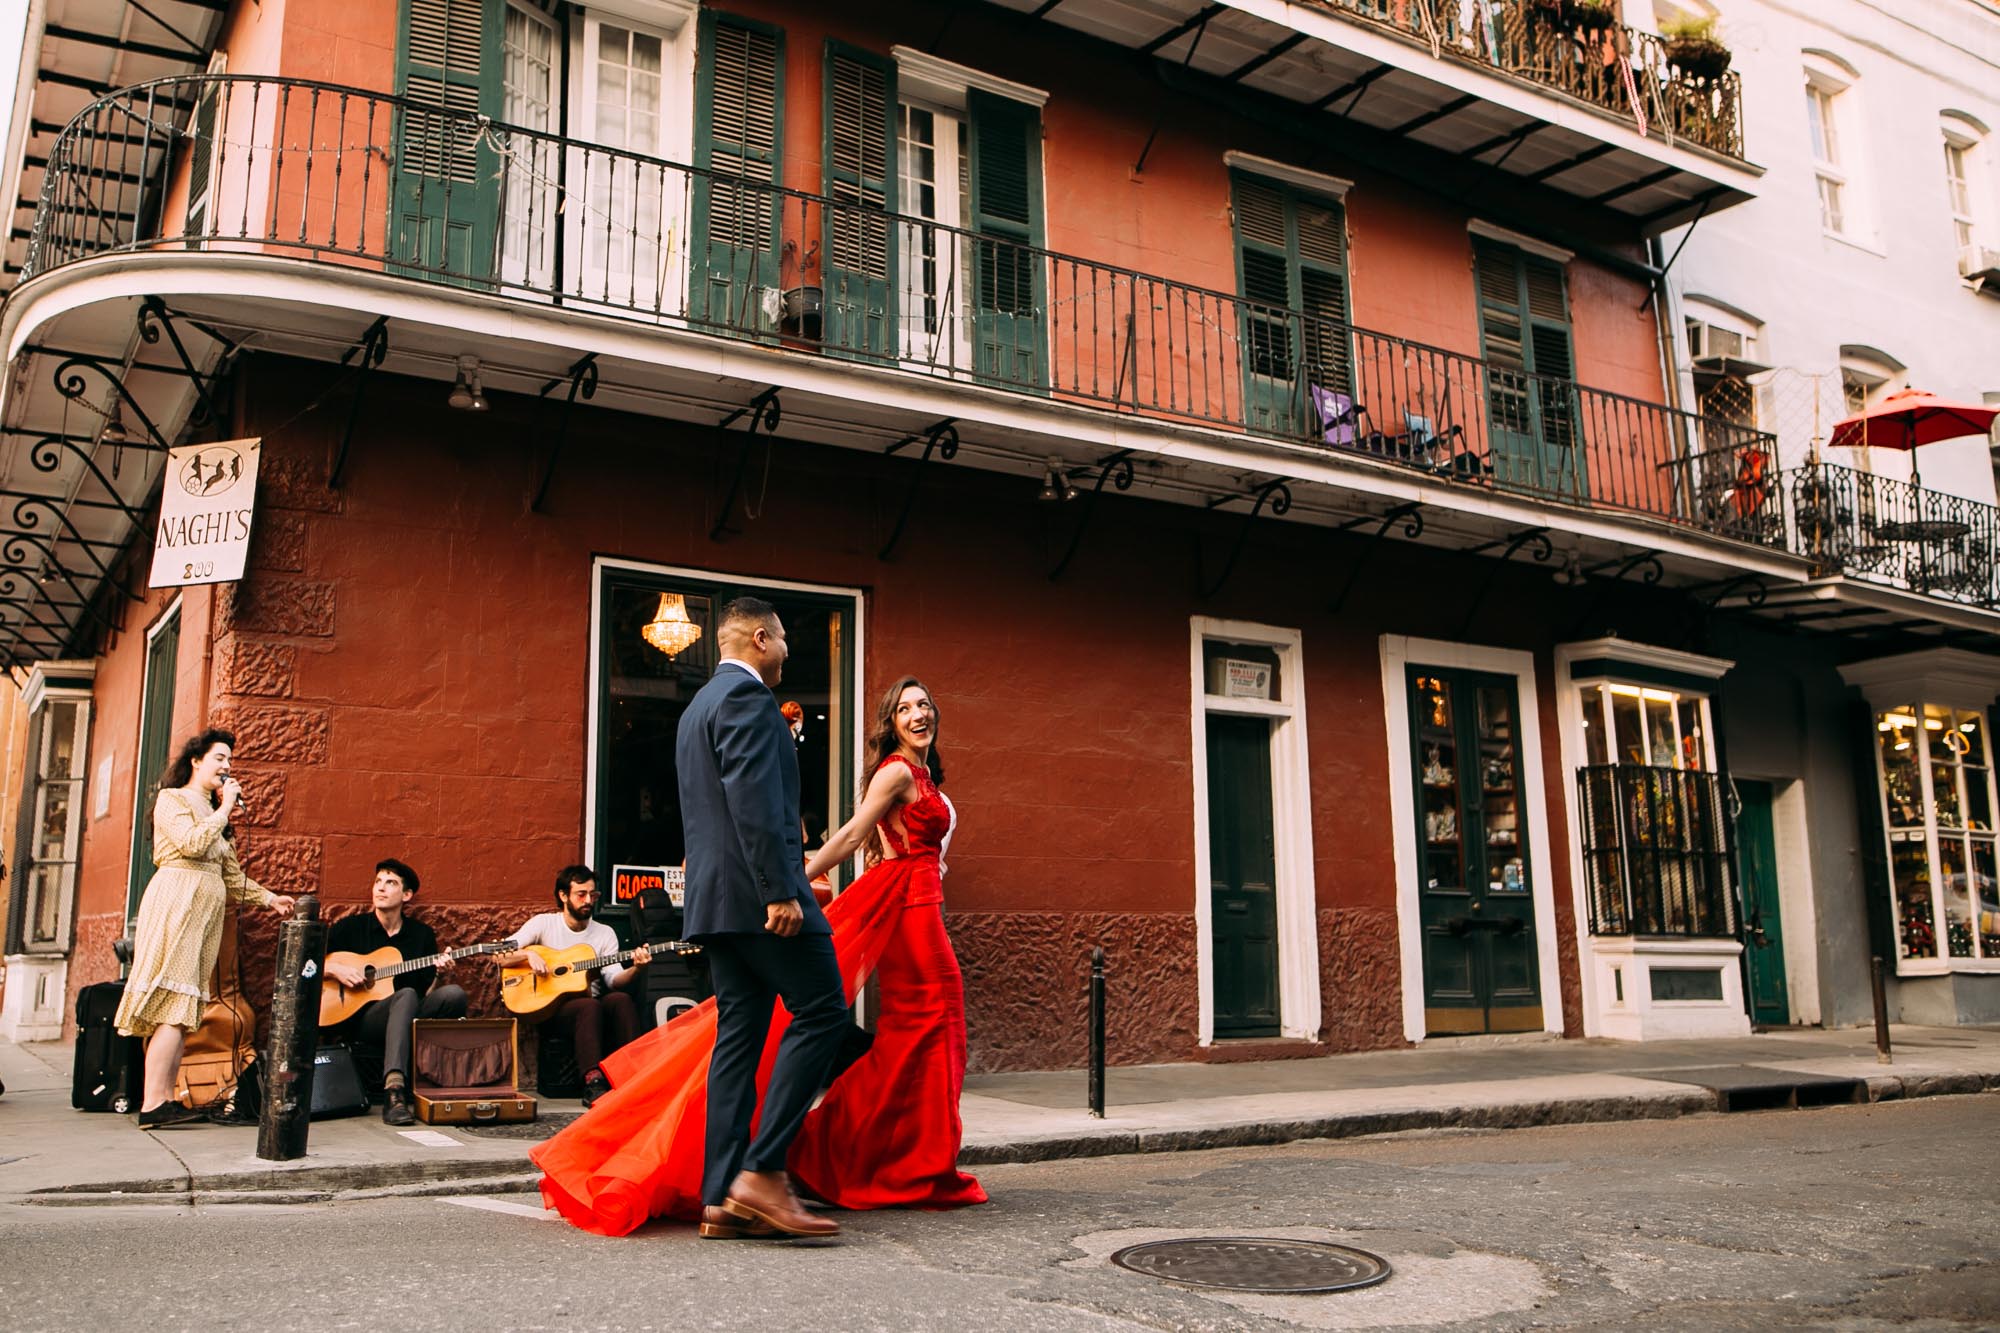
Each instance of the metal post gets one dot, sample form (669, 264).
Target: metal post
(287, 1110)
(1881, 1011)
(1097, 1033)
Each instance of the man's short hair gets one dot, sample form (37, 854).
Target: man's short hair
(747, 613)
(400, 871)
(569, 875)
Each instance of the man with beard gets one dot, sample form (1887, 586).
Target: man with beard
(603, 1017)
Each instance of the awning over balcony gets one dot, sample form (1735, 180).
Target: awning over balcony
(1474, 99)
(85, 49)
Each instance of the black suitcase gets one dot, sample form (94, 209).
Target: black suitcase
(109, 1067)
(336, 1089)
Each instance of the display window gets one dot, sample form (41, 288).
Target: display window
(1935, 768)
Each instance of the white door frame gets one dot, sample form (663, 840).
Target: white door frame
(1291, 818)
(1399, 653)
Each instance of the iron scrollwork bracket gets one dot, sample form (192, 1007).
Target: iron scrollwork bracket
(1411, 516)
(71, 384)
(582, 381)
(1278, 497)
(764, 413)
(1510, 546)
(1117, 469)
(155, 318)
(942, 440)
(366, 355)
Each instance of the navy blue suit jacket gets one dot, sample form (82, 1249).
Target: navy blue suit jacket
(739, 782)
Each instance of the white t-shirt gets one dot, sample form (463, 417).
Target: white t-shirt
(551, 931)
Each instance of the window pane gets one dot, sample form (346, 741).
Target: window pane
(62, 741)
(1628, 741)
(1972, 742)
(1978, 800)
(1957, 897)
(1896, 734)
(1662, 745)
(1910, 866)
(1241, 670)
(44, 917)
(1987, 893)
(1694, 741)
(1594, 744)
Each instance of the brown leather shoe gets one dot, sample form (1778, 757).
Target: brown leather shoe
(718, 1225)
(766, 1196)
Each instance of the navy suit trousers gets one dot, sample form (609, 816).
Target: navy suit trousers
(750, 972)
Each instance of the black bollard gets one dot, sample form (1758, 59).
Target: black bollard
(1879, 987)
(288, 1079)
(1097, 1033)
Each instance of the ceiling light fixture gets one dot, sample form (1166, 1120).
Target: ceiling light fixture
(466, 394)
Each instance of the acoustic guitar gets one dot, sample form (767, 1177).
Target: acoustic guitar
(338, 1003)
(526, 992)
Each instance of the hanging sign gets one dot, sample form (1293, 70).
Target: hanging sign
(205, 511)
(628, 882)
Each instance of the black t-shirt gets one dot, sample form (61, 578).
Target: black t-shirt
(363, 933)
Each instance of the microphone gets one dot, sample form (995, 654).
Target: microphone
(242, 797)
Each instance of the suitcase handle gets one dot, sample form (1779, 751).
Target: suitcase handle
(482, 1111)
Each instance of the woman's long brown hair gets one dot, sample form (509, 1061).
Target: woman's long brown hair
(882, 741)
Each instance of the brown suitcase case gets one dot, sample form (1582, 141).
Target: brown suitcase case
(468, 1072)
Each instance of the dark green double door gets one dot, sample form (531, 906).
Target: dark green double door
(1242, 887)
(1475, 896)
(1757, 871)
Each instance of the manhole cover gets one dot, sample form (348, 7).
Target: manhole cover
(1255, 1263)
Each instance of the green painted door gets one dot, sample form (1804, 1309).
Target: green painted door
(739, 118)
(1009, 290)
(1291, 268)
(1243, 871)
(1475, 895)
(156, 735)
(448, 172)
(1531, 402)
(860, 139)
(1757, 871)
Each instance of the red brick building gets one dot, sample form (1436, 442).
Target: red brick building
(1229, 410)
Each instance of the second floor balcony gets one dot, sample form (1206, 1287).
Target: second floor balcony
(346, 179)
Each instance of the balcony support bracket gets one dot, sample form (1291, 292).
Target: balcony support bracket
(764, 412)
(942, 440)
(154, 319)
(582, 381)
(1411, 516)
(1509, 546)
(1278, 496)
(366, 355)
(71, 384)
(1116, 469)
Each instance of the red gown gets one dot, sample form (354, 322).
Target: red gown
(888, 1133)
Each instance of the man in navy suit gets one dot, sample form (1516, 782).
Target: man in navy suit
(749, 906)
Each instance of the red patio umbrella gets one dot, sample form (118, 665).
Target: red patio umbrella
(1908, 418)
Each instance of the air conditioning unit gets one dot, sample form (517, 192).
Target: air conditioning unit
(1980, 265)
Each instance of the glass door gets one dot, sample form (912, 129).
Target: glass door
(1481, 967)
(931, 274)
(528, 199)
(631, 232)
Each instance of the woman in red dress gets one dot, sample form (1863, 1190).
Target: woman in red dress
(887, 1134)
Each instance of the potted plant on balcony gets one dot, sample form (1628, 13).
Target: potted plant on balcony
(1589, 19)
(1693, 48)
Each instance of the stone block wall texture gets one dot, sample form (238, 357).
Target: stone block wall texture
(407, 663)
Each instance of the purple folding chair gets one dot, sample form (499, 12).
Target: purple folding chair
(1339, 416)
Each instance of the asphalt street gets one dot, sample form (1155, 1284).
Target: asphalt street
(1851, 1217)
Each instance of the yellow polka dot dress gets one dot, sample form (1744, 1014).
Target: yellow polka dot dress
(180, 917)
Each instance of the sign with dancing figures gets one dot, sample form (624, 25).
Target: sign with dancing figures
(206, 506)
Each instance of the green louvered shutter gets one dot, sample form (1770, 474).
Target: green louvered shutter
(1010, 323)
(1291, 261)
(447, 191)
(738, 150)
(1530, 370)
(859, 153)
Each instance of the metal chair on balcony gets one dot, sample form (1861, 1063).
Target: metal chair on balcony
(1341, 420)
(1440, 450)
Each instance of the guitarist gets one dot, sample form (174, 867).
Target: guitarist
(388, 1021)
(602, 1018)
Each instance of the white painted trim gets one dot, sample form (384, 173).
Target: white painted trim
(1951, 676)
(1645, 654)
(668, 16)
(927, 76)
(1291, 814)
(1526, 243)
(1399, 653)
(603, 563)
(1318, 182)
(38, 685)
(1798, 906)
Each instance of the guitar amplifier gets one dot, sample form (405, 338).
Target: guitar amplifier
(468, 1072)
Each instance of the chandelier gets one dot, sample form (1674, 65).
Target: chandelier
(670, 630)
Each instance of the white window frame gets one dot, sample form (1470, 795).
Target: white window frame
(1399, 653)
(954, 307)
(38, 697)
(1608, 683)
(534, 268)
(169, 622)
(1291, 818)
(1969, 140)
(1825, 109)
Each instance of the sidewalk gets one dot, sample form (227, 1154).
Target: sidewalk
(50, 1154)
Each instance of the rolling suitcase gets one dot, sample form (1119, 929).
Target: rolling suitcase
(109, 1067)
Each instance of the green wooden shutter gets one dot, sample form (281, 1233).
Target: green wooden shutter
(1525, 338)
(1010, 325)
(1291, 257)
(739, 154)
(199, 219)
(860, 138)
(447, 187)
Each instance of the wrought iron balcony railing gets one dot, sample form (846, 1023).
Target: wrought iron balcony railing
(1573, 51)
(389, 185)
(1890, 531)
(1656, 851)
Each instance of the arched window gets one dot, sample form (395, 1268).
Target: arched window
(1833, 123)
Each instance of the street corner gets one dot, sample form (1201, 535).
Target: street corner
(1432, 1280)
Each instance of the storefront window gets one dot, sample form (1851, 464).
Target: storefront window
(1645, 726)
(1937, 809)
(58, 736)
